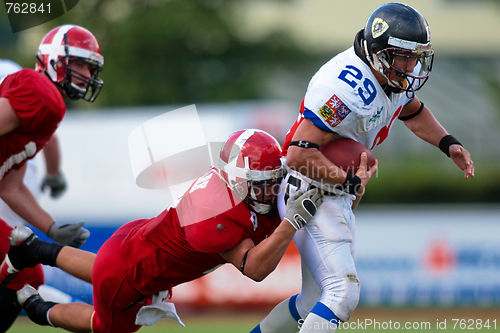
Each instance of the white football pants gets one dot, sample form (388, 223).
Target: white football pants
(330, 286)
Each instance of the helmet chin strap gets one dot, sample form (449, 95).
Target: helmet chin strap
(255, 205)
(260, 208)
(77, 92)
(72, 90)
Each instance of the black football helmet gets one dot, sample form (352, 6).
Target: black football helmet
(398, 30)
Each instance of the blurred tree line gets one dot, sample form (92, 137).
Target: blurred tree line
(184, 52)
(177, 51)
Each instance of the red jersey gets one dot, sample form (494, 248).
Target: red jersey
(291, 132)
(39, 106)
(182, 243)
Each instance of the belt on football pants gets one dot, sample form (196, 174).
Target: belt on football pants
(294, 181)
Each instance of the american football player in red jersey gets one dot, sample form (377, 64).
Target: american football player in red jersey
(31, 107)
(228, 215)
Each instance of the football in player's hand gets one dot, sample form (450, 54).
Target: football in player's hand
(345, 153)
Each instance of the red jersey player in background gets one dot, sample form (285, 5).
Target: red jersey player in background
(54, 179)
(31, 107)
(228, 215)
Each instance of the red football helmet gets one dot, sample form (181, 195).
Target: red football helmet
(68, 45)
(252, 167)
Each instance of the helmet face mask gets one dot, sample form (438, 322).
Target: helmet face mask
(65, 49)
(396, 43)
(89, 87)
(251, 166)
(261, 195)
(387, 61)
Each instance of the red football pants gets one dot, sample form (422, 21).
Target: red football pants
(116, 302)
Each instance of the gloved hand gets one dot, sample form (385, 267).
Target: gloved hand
(69, 234)
(301, 207)
(56, 184)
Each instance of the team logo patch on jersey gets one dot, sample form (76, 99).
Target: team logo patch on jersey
(334, 111)
(376, 116)
(379, 26)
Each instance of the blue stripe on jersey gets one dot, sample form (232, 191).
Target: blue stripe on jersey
(411, 99)
(308, 114)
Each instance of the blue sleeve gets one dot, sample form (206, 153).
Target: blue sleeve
(313, 117)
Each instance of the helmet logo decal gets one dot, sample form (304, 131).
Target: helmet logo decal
(379, 26)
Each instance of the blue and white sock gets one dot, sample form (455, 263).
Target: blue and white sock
(320, 319)
(283, 318)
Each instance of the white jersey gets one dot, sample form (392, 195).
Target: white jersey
(344, 97)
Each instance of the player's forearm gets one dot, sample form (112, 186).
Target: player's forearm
(263, 258)
(76, 262)
(52, 156)
(24, 204)
(427, 127)
(313, 164)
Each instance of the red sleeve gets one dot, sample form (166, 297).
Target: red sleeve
(214, 235)
(213, 220)
(35, 99)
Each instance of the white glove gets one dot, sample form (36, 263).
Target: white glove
(301, 207)
(69, 234)
(159, 308)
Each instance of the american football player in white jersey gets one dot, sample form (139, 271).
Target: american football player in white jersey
(358, 94)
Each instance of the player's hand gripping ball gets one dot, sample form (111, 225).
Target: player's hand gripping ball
(345, 153)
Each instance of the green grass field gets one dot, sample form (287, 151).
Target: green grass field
(203, 323)
(457, 320)
(208, 325)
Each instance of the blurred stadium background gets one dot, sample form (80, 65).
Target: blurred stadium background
(427, 240)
